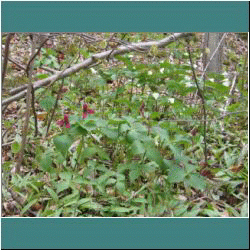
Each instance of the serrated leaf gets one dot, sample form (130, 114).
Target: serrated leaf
(111, 133)
(176, 174)
(137, 148)
(46, 163)
(153, 154)
(48, 103)
(63, 143)
(196, 181)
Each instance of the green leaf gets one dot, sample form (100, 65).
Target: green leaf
(153, 154)
(176, 174)
(196, 181)
(63, 143)
(27, 207)
(48, 103)
(111, 133)
(46, 163)
(102, 154)
(62, 186)
(120, 210)
(78, 129)
(87, 153)
(244, 210)
(41, 76)
(15, 147)
(140, 200)
(52, 193)
(134, 174)
(137, 148)
(71, 198)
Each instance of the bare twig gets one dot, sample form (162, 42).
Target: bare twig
(230, 99)
(16, 63)
(34, 110)
(6, 55)
(88, 62)
(27, 116)
(201, 94)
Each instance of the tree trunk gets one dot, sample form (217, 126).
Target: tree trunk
(211, 42)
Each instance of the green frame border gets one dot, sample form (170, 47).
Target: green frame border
(111, 233)
(123, 16)
(125, 233)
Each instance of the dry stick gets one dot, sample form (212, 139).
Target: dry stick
(16, 63)
(55, 106)
(30, 64)
(6, 54)
(34, 110)
(88, 62)
(23, 87)
(18, 89)
(53, 71)
(203, 104)
(27, 116)
(20, 66)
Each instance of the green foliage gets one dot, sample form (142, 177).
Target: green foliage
(141, 152)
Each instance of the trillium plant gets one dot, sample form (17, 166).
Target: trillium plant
(64, 121)
(86, 111)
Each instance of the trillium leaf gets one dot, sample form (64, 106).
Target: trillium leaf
(63, 143)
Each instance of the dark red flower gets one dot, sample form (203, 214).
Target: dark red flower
(86, 111)
(64, 121)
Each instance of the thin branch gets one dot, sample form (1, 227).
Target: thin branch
(27, 116)
(201, 94)
(35, 54)
(88, 62)
(6, 55)
(16, 63)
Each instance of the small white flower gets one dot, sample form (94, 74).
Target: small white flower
(162, 70)
(189, 84)
(226, 83)
(150, 73)
(171, 100)
(155, 95)
(93, 70)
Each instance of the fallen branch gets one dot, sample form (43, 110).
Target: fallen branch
(88, 62)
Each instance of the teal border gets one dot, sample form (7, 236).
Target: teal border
(147, 233)
(122, 16)
(124, 233)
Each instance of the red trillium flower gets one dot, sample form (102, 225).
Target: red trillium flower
(63, 122)
(86, 111)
